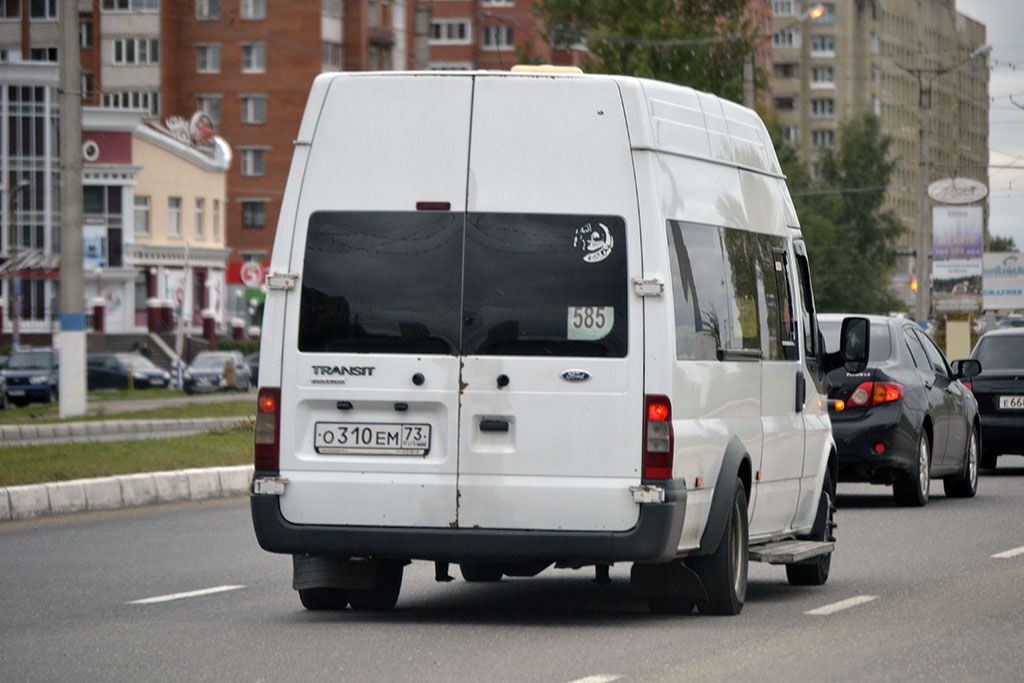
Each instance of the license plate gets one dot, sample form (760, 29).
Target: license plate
(1011, 402)
(371, 438)
(15, 392)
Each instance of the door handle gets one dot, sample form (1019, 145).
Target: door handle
(493, 425)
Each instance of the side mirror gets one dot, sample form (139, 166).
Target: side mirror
(854, 344)
(965, 369)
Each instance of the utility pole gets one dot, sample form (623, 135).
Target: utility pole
(71, 338)
(12, 262)
(421, 33)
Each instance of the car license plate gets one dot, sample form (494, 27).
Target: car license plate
(371, 438)
(15, 392)
(1011, 402)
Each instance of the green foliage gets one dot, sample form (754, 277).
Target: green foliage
(246, 346)
(698, 43)
(849, 236)
(997, 243)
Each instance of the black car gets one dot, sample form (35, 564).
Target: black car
(32, 374)
(206, 372)
(999, 390)
(115, 370)
(906, 418)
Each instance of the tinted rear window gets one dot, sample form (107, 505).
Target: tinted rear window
(1000, 353)
(881, 345)
(477, 284)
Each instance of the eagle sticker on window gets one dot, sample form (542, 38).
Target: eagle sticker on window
(595, 243)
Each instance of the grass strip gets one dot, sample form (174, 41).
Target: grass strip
(61, 462)
(39, 414)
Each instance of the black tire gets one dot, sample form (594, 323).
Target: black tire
(964, 484)
(384, 593)
(815, 572)
(189, 391)
(724, 572)
(475, 572)
(323, 599)
(913, 489)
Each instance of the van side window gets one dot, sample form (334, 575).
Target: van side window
(743, 265)
(787, 324)
(702, 308)
(809, 317)
(382, 282)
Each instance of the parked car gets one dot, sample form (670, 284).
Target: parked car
(114, 370)
(906, 418)
(4, 402)
(999, 390)
(32, 375)
(253, 361)
(206, 372)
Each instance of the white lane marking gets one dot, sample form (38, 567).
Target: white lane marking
(1010, 553)
(841, 605)
(179, 596)
(599, 678)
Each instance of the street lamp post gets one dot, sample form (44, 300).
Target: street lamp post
(922, 256)
(12, 262)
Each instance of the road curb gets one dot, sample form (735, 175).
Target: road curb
(112, 430)
(130, 490)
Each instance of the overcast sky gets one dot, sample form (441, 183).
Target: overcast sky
(1004, 25)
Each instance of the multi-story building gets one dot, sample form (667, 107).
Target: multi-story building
(879, 57)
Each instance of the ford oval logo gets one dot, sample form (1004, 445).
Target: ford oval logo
(575, 375)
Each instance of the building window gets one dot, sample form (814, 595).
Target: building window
(785, 103)
(253, 159)
(254, 58)
(207, 9)
(216, 220)
(43, 9)
(200, 205)
(254, 9)
(253, 215)
(141, 215)
(208, 59)
(876, 74)
(174, 217)
(87, 86)
(823, 77)
(823, 138)
(254, 109)
(823, 109)
(497, 3)
(209, 105)
(791, 134)
(147, 101)
(137, 51)
(876, 105)
(784, 70)
(823, 46)
(330, 56)
(875, 46)
(10, 9)
(785, 39)
(43, 54)
(829, 17)
(85, 33)
(785, 8)
(450, 32)
(498, 37)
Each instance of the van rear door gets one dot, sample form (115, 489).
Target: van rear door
(370, 368)
(550, 433)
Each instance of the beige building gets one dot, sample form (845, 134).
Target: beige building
(885, 58)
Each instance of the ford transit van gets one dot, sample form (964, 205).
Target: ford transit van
(518, 320)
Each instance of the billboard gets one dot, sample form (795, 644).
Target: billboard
(957, 232)
(1003, 281)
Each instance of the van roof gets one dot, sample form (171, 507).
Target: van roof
(663, 117)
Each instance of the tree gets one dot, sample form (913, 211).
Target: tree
(698, 43)
(849, 236)
(997, 243)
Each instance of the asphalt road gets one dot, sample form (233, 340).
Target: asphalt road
(915, 595)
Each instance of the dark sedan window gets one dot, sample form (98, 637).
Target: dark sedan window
(934, 355)
(1000, 353)
(916, 350)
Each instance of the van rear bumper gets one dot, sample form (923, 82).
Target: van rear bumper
(654, 538)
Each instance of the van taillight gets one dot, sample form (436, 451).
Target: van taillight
(266, 435)
(875, 394)
(658, 438)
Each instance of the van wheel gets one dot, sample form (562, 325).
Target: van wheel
(724, 572)
(475, 572)
(964, 484)
(912, 490)
(815, 572)
(320, 599)
(384, 593)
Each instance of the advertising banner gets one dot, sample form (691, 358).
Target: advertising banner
(956, 285)
(1003, 281)
(957, 232)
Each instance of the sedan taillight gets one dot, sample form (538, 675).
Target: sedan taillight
(875, 394)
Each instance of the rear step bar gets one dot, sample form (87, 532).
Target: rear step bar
(790, 552)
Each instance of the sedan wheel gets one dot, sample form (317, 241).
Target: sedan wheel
(913, 489)
(964, 484)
